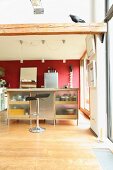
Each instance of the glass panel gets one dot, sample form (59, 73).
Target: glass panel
(84, 88)
(82, 83)
(86, 98)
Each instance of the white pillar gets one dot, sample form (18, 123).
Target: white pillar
(101, 89)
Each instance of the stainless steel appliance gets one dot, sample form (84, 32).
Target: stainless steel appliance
(51, 80)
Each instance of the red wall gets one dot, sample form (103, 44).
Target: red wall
(12, 71)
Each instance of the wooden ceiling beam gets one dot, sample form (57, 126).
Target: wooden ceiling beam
(52, 29)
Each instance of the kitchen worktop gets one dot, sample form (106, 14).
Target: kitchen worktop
(62, 103)
(31, 89)
(41, 89)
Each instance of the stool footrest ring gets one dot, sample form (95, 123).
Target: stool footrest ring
(34, 114)
(36, 129)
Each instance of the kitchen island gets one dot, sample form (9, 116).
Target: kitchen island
(61, 104)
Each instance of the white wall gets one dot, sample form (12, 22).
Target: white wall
(93, 109)
(101, 90)
(56, 11)
(99, 99)
(99, 7)
(101, 75)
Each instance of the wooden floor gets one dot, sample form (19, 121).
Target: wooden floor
(65, 146)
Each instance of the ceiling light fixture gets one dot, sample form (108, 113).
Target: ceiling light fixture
(37, 6)
(64, 61)
(43, 41)
(63, 41)
(43, 61)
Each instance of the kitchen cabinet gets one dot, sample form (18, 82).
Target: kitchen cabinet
(61, 104)
(66, 104)
(20, 109)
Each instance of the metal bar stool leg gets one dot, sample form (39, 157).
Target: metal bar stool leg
(37, 129)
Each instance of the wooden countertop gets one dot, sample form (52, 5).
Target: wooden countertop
(66, 89)
(31, 89)
(40, 89)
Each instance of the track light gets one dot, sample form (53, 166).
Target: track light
(43, 41)
(63, 41)
(43, 61)
(64, 61)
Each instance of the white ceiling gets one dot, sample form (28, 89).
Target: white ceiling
(32, 47)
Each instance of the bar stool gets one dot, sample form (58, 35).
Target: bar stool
(37, 129)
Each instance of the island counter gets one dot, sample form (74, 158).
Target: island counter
(61, 104)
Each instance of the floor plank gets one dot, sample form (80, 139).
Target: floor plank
(65, 146)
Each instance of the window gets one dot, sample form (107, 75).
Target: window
(84, 88)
